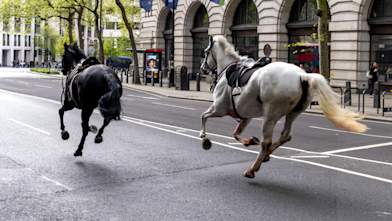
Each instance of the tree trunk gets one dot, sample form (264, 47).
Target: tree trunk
(136, 76)
(323, 36)
(70, 26)
(100, 41)
(80, 31)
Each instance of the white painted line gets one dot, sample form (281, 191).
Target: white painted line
(339, 156)
(385, 180)
(145, 92)
(143, 97)
(43, 86)
(277, 157)
(56, 182)
(182, 131)
(314, 156)
(28, 126)
(175, 106)
(359, 148)
(235, 143)
(128, 99)
(177, 127)
(348, 132)
(30, 96)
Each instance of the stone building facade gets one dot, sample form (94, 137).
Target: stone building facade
(360, 32)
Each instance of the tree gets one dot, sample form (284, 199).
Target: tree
(323, 36)
(136, 75)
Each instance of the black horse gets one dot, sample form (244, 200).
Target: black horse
(89, 85)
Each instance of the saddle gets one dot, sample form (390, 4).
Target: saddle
(70, 88)
(238, 74)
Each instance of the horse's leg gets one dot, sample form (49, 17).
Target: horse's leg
(268, 129)
(285, 135)
(86, 113)
(98, 138)
(238, 130)
(66, 107)
(211, 112)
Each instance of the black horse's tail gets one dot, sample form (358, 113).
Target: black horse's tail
(109, 104)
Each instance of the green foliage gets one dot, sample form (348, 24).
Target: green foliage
(113, 47)
(45, 70)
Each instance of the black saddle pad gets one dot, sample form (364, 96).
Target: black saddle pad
(240, 73)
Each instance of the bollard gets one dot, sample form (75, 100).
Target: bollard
(197, 81)
(160, 79)
(127, 74)
(347, 94)
(376, 95)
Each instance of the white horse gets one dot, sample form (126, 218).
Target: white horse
(276, 90)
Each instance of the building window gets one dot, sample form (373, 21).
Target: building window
(17, 24)
(302, 30)
(380, 21)
(244, 29)
(199, 37)
(111, 25)
(27, 26)
(6, 25)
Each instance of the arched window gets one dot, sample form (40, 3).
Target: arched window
(168, 36)
(302, 31)
(380, 21)
(244, 29)
(199, 36)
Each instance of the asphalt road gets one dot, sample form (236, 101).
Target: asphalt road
(151, 165)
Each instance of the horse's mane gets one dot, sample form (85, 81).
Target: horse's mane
(228, 48)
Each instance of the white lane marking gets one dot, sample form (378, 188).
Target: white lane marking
(145, 92)
(29, 126)
(186, 135)
(21, 82)
(348, 132)
(143, 97)
(30, 96)
(339, 156)
(43, 86)
(313, 156)
(128, 99)
(385, 180)
(234, 143)
(177, 127)
(56, 182)
(175, 106)
(50, 180)
(182, 131)
(277, 157)
(358, 148)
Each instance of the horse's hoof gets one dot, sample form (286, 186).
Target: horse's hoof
(93, 129)
(64, 135)
(78, 153)
(249, 174)
(206, 143)
(266, 159)
(98, 139)
(254, 141)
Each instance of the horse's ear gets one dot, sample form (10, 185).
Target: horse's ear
(211, 40)
(65, 46)
(75, 46)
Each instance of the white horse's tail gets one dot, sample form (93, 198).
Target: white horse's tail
(328, 99)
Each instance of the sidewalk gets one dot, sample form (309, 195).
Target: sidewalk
(205, 95)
